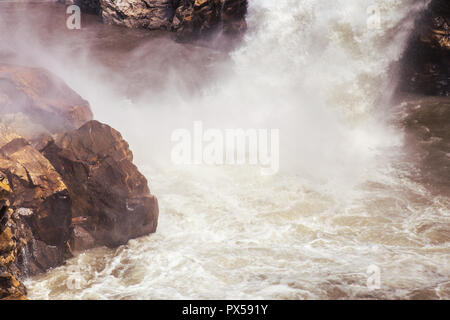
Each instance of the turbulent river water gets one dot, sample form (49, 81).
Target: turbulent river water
(344, 204)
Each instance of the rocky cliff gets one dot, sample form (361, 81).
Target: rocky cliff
(190, 19)
(426, 63)
(425, 111)
(67, 182)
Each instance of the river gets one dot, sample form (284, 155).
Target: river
(346, 205)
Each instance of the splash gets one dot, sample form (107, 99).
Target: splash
(341, 203)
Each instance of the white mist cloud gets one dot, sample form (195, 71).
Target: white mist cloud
(309, 68)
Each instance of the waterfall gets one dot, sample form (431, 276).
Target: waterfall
(317, 70)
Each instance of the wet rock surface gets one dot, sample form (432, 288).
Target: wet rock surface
(427, 126)
(149, 14)
(41, 98)
(111, 199)
(11, 288)
(190, 19)
(425, 87)
(426, 63)
(67, 183)
(202, 17)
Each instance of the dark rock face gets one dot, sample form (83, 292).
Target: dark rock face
(427, 128)
(22, 250)
(201, 17)
(190, 19)
(39, 188)
(42, 98)
(426, 63)
(11, 288)
(111, 198)
(426, 119)
(67, 183)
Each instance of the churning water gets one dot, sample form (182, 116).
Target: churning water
(343, 200)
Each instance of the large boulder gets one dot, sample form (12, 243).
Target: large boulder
(40, 203)
(89, 6)
(42, 97)
(111, 199)
(67, 183)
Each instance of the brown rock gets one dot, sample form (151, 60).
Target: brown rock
(426, 62)
(89, 6)
(60, 195)
(41, 97)
(106, 188)
(195, 18)
(35, 208)
(36, 212)
(11, 288)
(190, 19)
(5, 192)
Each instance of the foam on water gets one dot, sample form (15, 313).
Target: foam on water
(342, 201)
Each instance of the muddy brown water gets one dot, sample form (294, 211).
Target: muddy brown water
(355, 203)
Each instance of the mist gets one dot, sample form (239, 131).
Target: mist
(315, 73)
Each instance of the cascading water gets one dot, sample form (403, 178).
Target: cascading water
(342, 201)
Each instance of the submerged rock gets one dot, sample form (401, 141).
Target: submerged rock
(67, 183)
